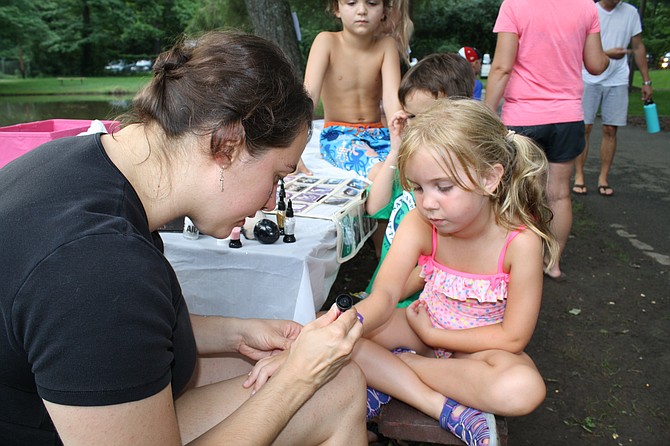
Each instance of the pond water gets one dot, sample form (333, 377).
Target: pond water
(19, 109)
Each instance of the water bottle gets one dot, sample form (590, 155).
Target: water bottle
(651, 115)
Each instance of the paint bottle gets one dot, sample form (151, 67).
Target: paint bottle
(651, 116)
(289, 225)
(281, 210)
(190, 232)
(235, 241)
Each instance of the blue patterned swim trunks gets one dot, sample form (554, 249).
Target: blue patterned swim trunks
(355, 147)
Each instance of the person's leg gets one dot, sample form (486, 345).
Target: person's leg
(493, 381)
(339, 403)
(579, 186)
(558, 197)
(615, 113)
(607, 151)
(385, 372)
(590, 102)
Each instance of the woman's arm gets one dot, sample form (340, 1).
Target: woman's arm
(595, 60)
(254, 338)
(524, 295)
(313, 359)
(501, 68)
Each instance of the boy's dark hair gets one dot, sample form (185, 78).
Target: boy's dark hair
(441, 74)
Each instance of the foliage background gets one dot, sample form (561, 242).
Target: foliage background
(79, 37)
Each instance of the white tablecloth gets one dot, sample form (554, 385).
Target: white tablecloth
(279, 281)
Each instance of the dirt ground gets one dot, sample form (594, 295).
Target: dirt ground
(601, 342)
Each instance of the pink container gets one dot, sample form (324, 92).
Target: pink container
(15, 140)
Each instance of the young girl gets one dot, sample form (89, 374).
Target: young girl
(479, 231)
(352, 71)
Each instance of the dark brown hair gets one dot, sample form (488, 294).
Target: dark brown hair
(234, 86)
(441, 74)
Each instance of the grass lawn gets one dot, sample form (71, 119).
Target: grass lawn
(89, 85)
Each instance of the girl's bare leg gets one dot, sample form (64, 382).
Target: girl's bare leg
(492, 381)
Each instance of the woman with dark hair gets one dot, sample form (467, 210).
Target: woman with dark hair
(96, 342)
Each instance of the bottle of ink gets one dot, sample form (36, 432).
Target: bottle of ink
(289, 226)
(235, 241)
(281, 209)
(191, 232)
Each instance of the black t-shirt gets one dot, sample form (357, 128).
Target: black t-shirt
(91, 311)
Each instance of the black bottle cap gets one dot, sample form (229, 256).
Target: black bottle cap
(344, 302)
(289, 210)
(235, 243)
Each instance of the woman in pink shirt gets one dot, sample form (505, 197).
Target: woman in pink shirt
(537, 70)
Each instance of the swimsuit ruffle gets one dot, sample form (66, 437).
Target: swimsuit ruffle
(489, 288)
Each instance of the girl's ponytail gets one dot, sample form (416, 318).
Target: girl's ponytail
(522, 191)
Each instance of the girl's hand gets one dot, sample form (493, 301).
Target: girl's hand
(397, 125)
(419, 320)
(265, 337)
(264, 369)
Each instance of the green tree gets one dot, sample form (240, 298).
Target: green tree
(21, 27)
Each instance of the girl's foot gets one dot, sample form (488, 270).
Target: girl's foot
(376, 401)
(474, 427)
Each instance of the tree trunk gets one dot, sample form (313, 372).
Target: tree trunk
(272, 20)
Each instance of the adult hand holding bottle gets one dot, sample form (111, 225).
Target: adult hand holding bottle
(323, 347)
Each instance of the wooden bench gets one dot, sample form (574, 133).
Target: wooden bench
(398, 421)
(63, 79)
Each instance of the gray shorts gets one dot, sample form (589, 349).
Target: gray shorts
(613, 102)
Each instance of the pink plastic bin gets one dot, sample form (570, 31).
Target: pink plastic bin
(15, 140)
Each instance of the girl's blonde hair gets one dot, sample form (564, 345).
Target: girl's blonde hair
(397, 23)
(467, 134)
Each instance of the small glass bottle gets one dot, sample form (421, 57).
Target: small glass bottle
(281, 211)
(289, 224)
(191, 232)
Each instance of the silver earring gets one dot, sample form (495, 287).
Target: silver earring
(221, 179)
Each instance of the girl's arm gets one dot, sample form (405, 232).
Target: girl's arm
(317, 64)
(524, 295)
(501, 69)
(390, 78)
(412, 239)
(381, 190)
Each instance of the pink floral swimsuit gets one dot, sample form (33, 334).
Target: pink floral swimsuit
(458, 300)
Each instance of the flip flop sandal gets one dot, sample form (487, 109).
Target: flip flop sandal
(605, 190)
(579, 189)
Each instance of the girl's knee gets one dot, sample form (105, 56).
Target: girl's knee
(520, 391)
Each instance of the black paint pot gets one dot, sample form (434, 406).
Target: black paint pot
(266, 231)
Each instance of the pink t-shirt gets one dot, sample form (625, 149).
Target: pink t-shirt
(545, 86)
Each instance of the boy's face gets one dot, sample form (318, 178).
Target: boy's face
(360, 15)
(418, 102)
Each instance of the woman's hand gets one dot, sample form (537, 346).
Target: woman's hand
(323, 347)
(264, 337)
(419, 320)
